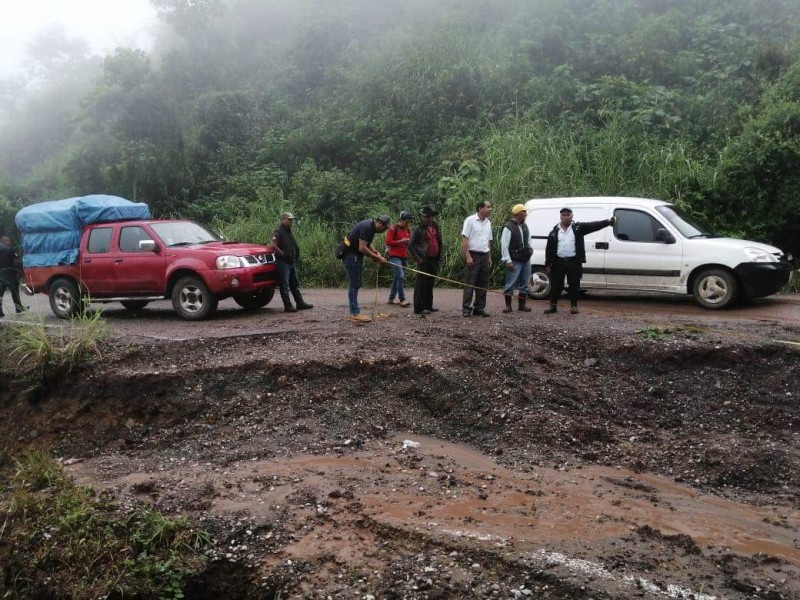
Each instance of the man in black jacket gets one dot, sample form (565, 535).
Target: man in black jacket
(9, 275)
(425, 247)
(288, 253)
(565, 254)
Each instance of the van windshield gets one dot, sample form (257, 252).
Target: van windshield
(689, 226)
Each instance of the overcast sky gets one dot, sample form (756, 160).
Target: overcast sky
(103, 24)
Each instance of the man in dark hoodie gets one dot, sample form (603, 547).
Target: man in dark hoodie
(288, 253)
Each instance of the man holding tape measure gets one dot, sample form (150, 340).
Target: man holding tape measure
(358, 244)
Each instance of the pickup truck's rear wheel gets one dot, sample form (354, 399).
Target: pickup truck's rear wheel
(134, 304)
(255, 300)
(192, 300)
(65, 298)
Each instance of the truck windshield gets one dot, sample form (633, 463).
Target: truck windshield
(689, 226)
(183, 233)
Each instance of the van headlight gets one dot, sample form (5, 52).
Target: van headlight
(228, 262)
(759, 255)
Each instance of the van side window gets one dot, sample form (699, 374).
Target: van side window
(130, 237)
(636, 226)
(99, 240)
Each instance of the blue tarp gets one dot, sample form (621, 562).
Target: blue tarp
(51, 231)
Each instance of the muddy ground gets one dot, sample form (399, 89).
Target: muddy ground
(619, 453)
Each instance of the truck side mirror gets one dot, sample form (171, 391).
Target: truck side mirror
(148, 246)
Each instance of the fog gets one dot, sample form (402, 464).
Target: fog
(101, 25)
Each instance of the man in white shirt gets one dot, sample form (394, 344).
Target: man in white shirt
(565, 254)
(476, 239)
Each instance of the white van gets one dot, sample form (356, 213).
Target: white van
(654, 246)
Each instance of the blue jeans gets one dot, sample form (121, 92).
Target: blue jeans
(399, 279)
(519, 276)
(354, 265)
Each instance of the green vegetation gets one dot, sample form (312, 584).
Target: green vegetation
(41, 352)
(59, 538)
(345, 109)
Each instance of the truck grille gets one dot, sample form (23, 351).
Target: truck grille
(260, 259)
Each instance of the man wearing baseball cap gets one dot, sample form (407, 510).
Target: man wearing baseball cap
(358, 245)
(565, 254)
(397, 242)
(288, 253)
(515, 252)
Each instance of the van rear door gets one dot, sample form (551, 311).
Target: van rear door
(644, 252)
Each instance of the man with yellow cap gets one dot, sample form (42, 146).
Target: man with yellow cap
(515, 253)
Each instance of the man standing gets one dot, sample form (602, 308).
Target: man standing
(397, 242)
(288, 253)
(358, 245)
(9, 275)
(476, 238)
(565, 254)
(515, 250)
(425, 248)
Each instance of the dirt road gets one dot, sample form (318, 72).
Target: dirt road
(641, 449)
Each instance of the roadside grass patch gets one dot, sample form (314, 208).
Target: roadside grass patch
(38, 352)
(658, 333)
(57, 538)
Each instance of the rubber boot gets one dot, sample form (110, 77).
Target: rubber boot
(507, 309)
(301, 304)
(551, 309)
(521, 305)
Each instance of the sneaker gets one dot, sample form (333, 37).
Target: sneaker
(393, 301)
(22, 309)
(433, 309)
(305, 306)
(480, 313)
(574, 310)
(550, 309)
(405, 303)
(289, 308)
(359, 319)
(466, 313)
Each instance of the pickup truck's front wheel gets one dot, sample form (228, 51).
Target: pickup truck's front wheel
(65, 299)
(255, 300)
(192, 300)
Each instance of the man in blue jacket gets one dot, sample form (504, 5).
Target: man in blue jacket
(565, 254)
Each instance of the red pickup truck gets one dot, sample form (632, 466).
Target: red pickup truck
(135, 262)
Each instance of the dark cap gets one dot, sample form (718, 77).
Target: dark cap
(427, 211)
(384, 219)
(564, 210)
(406, 216)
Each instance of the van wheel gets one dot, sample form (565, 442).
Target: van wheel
(134, 304)
(65, 298)
(715, 288)
(539, 285)
(192, 300)
(255, 300)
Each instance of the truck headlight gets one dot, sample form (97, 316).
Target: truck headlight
(759, 255)
(228, 262)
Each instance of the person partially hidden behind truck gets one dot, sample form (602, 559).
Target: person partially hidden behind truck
(565, 254)
(9, 275)
(288, 253)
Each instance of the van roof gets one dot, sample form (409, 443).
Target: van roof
(582, 200)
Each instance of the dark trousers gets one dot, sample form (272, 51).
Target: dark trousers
(288, 282)
(9, 281)
(571, 268)
(477, 275)
(423, 286)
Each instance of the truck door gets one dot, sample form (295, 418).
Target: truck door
(643, 253)
(595, 244)
(138, 272)
(96, 262)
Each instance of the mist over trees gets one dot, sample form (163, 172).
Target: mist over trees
(338, 109)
